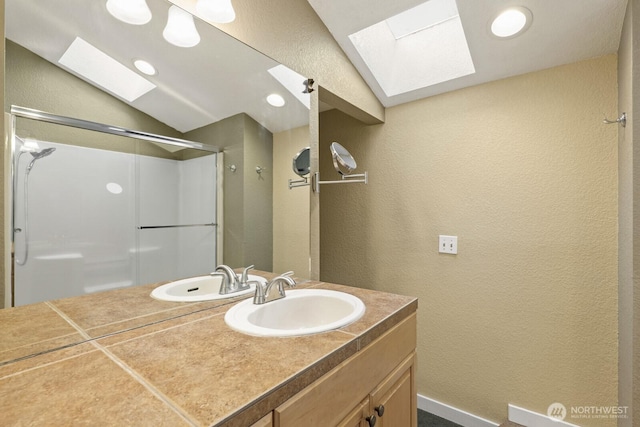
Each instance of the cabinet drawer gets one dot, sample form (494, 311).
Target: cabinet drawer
(331, 398)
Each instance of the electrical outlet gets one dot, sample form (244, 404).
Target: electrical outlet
(448, 244)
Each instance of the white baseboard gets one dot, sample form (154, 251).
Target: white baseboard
(452, 414)
(533, 419)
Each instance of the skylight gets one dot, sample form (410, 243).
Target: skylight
(420, 47)
(99, 68)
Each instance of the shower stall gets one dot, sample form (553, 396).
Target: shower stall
(98, 207)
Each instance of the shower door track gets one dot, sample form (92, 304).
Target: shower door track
(30, 113)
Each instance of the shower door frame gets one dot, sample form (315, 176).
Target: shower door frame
(9, 164)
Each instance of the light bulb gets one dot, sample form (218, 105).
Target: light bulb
(218, 11)
(180, 30)
(134, 12)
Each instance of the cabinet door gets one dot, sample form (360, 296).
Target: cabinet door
(356, 418)
(394, 400)
(266, 421)
(328, 400)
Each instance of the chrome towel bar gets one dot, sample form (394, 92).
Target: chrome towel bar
(148, 227)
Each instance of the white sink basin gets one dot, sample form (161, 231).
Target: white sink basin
(301, 312)
(201, 288)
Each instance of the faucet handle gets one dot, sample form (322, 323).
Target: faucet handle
(244, 279)
(286, 277)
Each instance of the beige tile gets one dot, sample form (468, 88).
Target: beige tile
(212, 371)
(160, 326)
(46, 358)
(103, 308)
(32, 329)
(114, 311)
(86, 390)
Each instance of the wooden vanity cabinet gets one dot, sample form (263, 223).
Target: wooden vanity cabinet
(394, 401)
(266, 421)
(377, 382)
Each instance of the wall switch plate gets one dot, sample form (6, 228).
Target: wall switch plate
(448, 244)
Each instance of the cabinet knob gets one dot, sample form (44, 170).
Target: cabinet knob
(372, 420)
(380, 410)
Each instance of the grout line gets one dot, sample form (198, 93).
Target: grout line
(142, 381)
(38, 342)
(153, 332)
(81, 331)
(33, 368)
(142, 316)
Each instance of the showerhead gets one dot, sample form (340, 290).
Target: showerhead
(42, 153)
(38, 155)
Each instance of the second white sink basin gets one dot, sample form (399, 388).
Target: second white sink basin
(301, 312)
(201, 288)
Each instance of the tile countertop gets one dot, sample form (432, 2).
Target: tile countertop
(189, 370)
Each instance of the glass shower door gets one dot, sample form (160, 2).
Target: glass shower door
(94, 212)
(74, 222)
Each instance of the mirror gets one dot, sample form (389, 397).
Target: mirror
(302, 162)
(213, 93)
(343, 161)
(344, 164)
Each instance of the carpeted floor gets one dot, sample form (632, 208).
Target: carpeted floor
(426, 419)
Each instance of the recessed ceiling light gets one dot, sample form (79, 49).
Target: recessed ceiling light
(275, 100)
(293, 82)
(94, 65)
(511, 22)
(134, 12)
(145, 67)
(114, 188)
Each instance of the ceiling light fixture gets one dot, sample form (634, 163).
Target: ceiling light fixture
(218, 11)
(145, 67)
(511, 22)
(275, 100)
(134, 12)
(180, 30)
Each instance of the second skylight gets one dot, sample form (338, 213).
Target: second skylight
(420, 47)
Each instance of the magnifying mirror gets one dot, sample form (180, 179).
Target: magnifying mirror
(343, 161)
(302, 162)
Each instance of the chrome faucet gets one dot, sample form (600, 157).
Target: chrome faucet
(230, 281)
(274, 290)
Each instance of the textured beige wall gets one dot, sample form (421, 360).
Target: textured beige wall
(524, 172)
(4, 267)
(629, 216)
(290, 207)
